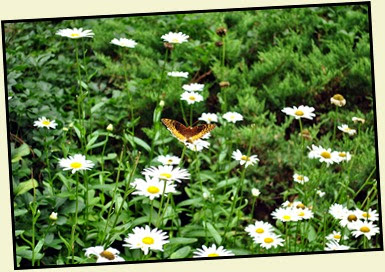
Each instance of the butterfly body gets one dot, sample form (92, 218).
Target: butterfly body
(187, 134)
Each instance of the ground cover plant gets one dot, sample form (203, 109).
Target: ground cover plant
(192, 135)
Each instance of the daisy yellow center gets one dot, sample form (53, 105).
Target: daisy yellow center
(76, 165)
(343, 155)
(337, 236)
(108, 255)
(300, 178)
(192, 98)
(352, 218)
(153, 189)
(364, 229)
(46, 122)
(301, 214)
(169, 161)
(268, 240)
(326, 155)
(338, 97)
(165, 175)
(213, 255)
(259, 230)
(366, 215)
(148, 240)
(301, 206)
(74, 35)
(245, 158)
(286, 217)
(175, 40)
(299, 113)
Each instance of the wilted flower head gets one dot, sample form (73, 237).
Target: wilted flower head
(338, 100)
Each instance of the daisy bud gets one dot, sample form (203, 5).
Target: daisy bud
(255, 192)
(219, 44)
(53, 216)
(169, 46)
(110, 127)
(221, 31)
(65, 128)
(161, 103)
(224, 84)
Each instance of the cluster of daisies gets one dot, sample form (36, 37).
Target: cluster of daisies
(264, 235)
(358, 221)
(292, 211)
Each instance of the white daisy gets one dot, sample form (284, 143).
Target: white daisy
(243, 159)
(191, 97)
(344, 128)
(370, 215)
(300, 178)
(305, 213)
(103, 256)
(344, 156)
(168, 160)
(124, 42)
(324, 155)
(349, 218)
(336, 236)
(300, 112)
(166, 172)
(320, 193)
(152, 187)
(333, 245)
(208, 117)
(146, 239)
(357, 119)
(259, 228)
(364, 228)
(232, 116)
(198, 145)
(269, 240)
(193, 87)
(173, 37)
(178, 74)
(75, 33)
(338, 100)
(76, 163)
(285, 214)
(212, 251)
(44, 122)
(338, 211)
(255, 192)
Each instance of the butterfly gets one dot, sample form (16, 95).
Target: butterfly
(187, 134)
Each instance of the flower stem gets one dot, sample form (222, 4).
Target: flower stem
(76, 218)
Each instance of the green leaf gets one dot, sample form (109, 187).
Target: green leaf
(181, 253)
(311, 234)
(214, 233)
(181, 240)
(25, 186)
(20, 152)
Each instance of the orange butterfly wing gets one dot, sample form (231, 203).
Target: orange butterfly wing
(183, 133)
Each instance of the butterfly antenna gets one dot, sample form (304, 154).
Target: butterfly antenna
(195, 123)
